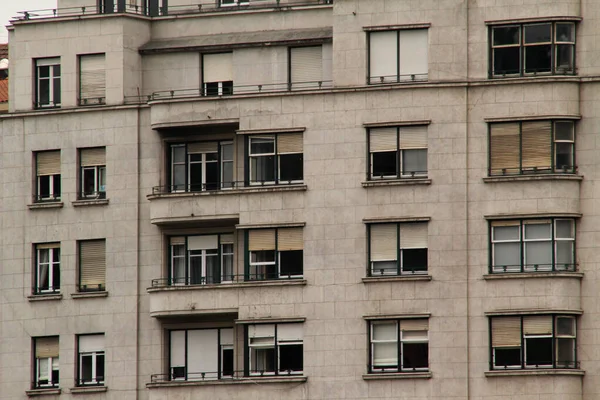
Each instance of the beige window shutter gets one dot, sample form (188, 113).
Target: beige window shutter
(505, 223)
(537, 144)
(537, 325)
(46, 347)
(226, 238)
(413, 235)
(506, 332)
(177, 240)
(414, 324)
(93, 157)
(48, 163)
(504, 147)
(202, 147)
(413, 137)
(384, 242)
(218, 67)
(47, 246)
(261, 239)
(92, 256)
(306, 64)
(92, 80)
(383, 139)
(290, 143)
(289, 239)
(203, 242)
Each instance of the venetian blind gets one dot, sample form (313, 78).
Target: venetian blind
(506, 332)
(48, 162)
(202, 147)
(413, 137)
(384, 242)
(383, 56)
(383, 139)
(46, 347)
(414, 45)
(306, 65)
(537, 325)
(92, 268)
(536, 144)
(504, 147)
(261, 239)
(289, 239)
(290, 332)
(413, 235)
(91, 343)
(92, 157)
(290, 143)
(414, 325)
(92, 79)
(218, 67)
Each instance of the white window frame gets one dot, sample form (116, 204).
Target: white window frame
(227, 254)
(257, 155)
(51, 63)
(252, 370)
(99, 177)
(52, 195)
(524, 343)
(279, 180)
(204, 257)
(527, 267)
(275, 344)
(407, 340)
(512, 268)
(558, 336)
(373, 342)
(258, 265)
(174, 188)
(204, 161)
(52, 364)
(51, 265)
(222, 161)
(94, 355)
(234, 3)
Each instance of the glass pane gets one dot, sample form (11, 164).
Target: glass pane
(291, 358)
(212, 176)
(228, 266)
(565, 353)
(89, 181)
(178, 154)
(56, 89)
(506, 35)
(227, 362)
(538, 231)
(195, 171)
(44, 72)
(385, 331)
(262, 169)
(504, 357)
(56, 70)
(384, 268)
(565, 32)
(212, 88)
(43, 369)
(564, 228)
(56, 185)
(538, 254)
(179, 177)
(102, 172)
(414, 260)
(290, 263)
(86, 368)
(564, 58)
(385, 355)
(507, 255)
(44, 92)
(100, 367)
(540, 33)
(507, 61)
(213, 274)
(563, 130)
(261, 146)
(384, 164)
(565, 326)
(196, 277)
(263, 359)
(506, 232)
(414, 161)
(227, 152)
(262, 256)
(227, 174)
(211, 157)
(564, 157)
(564, 255)
(44, 187)
(290, 167)
(415, 356)
(56, 276)
(538, 59)
(538, 351)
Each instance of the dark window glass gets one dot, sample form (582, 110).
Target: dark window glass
(414, 260)
(538, 59)
(415, 355)
(100, 367)
(507, 357)
(290, 262)
(290, 358)
(44, 72)
(538, 351)
(261, 146)
(506, 60)
(564, 155)
(227, 88)
(44, 189)
(195, 176)
(541, 33)
(385, 164)
(414, 161)
(86, 368)
(177, 372)
(227, 362)
(56, 89)
(263, 169)
(195, 261)
(44, 94)
(55, 377)
(506, 35)
(56, 181)
(212, 174)
(291, 167)
(212, 88)
(89, 181)
(56, 272)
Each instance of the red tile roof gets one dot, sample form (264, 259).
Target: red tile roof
(3, 90)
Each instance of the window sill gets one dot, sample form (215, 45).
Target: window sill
(45, 297)
(241, 381)
(237, 285)
(87, 295)
(534, 372)
(528, 275)
(89, 202)
(42, 392)
(50, 204)
(533, 177)
(244, 190)
(88, 389)
(399, 278)
(397, 182)
(396, 375)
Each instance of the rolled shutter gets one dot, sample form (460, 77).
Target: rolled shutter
(290, 239)
(383, 56)
(413, 235)
(48, 163)
(261, 330)
(290, 143)
(537, 325)
(227, 238)
(506, 332)
(506, 223)
(383, 139)
(537, 144)
(413, 137)
(92, 255)
(92, 84)
(414, 45)
(177, 349)
(204, 242)
(46, 347)
(290, 332)
(384, 242)
(218, 67)
(47, 246)
(226, 337)
(91, 343)
(202, 147)
(414, 325)
(261, 239)
(92, 157)
(177, 240)
(504, 147)
(306, 64)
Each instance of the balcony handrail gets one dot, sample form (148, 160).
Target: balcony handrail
(205, 6)
(533, 267)
(218, 186)
(398, 78)
(541, 169)
(218, 375)
(225, 279)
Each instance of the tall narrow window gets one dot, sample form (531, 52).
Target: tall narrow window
(93, 173)
(398, 152)
(275, 253)
(276, 159)
(48, 175)
(201, 166)
(47, 268)
(91, 359)
(92, 265)
(92, 79)
(399, 345)
(306, 67)
(47, 82)
(398, 56)
(46, 364)
(275, 349)
(217, 73)
(398, 249)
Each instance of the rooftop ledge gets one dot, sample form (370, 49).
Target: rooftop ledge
(244, 190)
(238, 381)
(534, 372)
(237, 285)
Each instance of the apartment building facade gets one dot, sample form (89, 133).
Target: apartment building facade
(307, 199)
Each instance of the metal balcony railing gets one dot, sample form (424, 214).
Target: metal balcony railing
(216, 186)
(179, 374)
(556, 267)
(539, 170)
(550, 365)
(224, 279)
(408, 78)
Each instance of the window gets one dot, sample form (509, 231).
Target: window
(93, 173)
(534, 245)
(201, 166)
(46, 365)
(398, 56)
(90, 369)
(48, 175)
(229, 3)
(539, 341)
(306, 67)
(47, 76)
(274, 254)
(530, 49)
(398, 248)
(201, 354)
(275, 349)
(275, 159)
(398, 152)
(201, 259)
(92, 79)
(534, 147)
(217, 74)
(47, 268)
(92, 265)
(399, 345)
